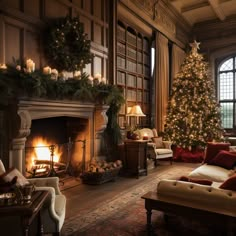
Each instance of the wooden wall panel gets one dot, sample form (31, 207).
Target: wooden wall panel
(87, 26)
(32, 8)
(97, 9)
(105, 75)
(97, 65)
(78, 3)
(54, 9)
(23, 40)
(32, 49)
(88, 69)
(13, 3)
(12, 44)
(87, 5)
(97, 34)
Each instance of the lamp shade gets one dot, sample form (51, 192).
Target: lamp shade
(136, 111)
(128, 110)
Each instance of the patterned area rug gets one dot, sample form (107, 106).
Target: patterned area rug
(123, 215)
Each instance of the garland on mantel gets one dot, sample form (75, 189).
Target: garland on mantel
(15, 82)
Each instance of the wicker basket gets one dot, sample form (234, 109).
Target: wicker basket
(100, 177)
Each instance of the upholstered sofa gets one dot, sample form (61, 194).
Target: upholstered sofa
(157, 148)
(54, 209)
(218, 167)
(206, 193)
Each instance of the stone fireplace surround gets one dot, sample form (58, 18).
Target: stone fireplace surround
(26, 110)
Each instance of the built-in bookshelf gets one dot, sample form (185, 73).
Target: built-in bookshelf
(133, 70)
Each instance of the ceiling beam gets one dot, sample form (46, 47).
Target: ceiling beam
(217, 9)
(194, 6)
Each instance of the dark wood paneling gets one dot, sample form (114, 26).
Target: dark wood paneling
(21, 37)
(32, 8)
(97, 34)
(78, 3)
(97, 65)
(32, 49)
(54, 9)
(87, 5)
(13, 3)
(12, 44)
(97, 9)
(87, 25)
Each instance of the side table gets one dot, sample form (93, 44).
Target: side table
(22, 216)
(135, 157)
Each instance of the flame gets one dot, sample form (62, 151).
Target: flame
(42, 150)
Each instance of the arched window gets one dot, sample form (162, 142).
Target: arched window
(227, 91)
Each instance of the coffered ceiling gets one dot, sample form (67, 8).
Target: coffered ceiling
(194, 11)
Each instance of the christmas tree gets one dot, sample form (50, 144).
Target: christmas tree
(193, 113)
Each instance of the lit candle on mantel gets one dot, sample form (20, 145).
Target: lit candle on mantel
(103, 80)
(98, 76)
(145, 136)
(3, 66)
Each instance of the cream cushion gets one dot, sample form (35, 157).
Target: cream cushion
(196, 195)
(161, 151)
(211, 172)
(2, 168)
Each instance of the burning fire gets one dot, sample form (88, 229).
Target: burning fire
(42, 151)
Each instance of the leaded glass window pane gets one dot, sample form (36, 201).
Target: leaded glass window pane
(227, 115)
(226, 86)
(227, 65)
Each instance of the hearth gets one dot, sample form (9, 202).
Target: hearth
(72, 129)
(43, 159)
(57, 145)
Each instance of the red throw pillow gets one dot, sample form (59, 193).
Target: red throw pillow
(230, 183)
(224, 159)
(197, 181)
(213, 149)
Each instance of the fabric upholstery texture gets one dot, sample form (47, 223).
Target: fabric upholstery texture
(213, 149)
(11, 173)
(224, 159)
(2, 168)
(211, 172)
(157, 148)
(54, 209)
(197, 195)
(158, 141)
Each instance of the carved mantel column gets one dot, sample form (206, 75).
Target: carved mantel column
(22, 130)
(100, 119)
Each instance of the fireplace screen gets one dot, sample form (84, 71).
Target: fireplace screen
(45, 159)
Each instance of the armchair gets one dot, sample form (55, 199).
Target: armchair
(53, 211)
(157, 148)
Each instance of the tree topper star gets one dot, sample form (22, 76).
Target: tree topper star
(195, 46)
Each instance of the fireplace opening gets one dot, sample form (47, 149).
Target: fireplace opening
(57, 146)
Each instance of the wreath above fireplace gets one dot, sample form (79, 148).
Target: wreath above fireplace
(66, 44)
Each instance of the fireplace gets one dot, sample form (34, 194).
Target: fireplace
(57, 145)
(59, 124)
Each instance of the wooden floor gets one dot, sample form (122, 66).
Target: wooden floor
(81, 196)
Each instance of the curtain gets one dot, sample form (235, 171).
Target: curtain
(178, 56)
(162, 80)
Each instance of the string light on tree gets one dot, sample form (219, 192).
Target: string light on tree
(193, 114)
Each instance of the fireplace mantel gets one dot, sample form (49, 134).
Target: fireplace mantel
(25, 110)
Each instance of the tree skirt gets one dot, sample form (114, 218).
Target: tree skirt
(125, 214)
(186, 155)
